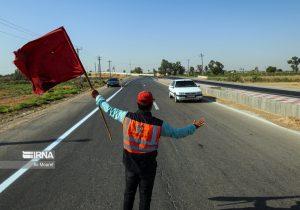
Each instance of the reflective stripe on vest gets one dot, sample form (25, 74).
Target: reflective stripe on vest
(140, 137)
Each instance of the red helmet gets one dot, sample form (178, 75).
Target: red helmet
(145, 98)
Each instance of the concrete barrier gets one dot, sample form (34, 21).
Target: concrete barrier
(282, 108)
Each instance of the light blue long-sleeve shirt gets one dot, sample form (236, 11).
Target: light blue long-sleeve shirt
(166, 129)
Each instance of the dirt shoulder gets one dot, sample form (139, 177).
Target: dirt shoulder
(286, 122)
(13, 119)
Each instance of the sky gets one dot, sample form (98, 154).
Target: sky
(242, 34)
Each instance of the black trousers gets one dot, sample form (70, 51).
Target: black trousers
(145, 181)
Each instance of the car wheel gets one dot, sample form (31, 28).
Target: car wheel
(108, 86)
(170, 96)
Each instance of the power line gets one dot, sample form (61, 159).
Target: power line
(17, 27)
(202, 67)
(13, 35)
(99, 66)
(188, 60)
(109, 68)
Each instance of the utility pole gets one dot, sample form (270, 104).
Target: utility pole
(202, 67)
(99, 66)
(109, 68)
(95, 67)
(188, 60)
(77, 50)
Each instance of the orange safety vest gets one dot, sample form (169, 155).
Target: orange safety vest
(140, 137)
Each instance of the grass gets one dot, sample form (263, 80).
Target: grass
(16, 96)
(11, 89)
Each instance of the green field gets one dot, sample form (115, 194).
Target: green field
(17, 95)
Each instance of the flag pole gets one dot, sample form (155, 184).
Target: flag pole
(103, 117)
(105, 122)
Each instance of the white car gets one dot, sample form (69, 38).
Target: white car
(185, 89)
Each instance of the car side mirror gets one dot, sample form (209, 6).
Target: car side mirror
(171, 86)
(198, 85)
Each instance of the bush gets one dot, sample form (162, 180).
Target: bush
(4, 109)
(255, 78)
(235, 78)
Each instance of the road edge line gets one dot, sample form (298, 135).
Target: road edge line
(12, 178)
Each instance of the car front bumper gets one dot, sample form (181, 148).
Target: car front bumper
(189, 98)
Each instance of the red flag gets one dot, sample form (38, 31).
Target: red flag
(49, 60)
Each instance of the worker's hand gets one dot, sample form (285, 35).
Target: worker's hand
(94, 93)
(199, 123)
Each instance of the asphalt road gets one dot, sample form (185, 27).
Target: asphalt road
(233, 162)
(269, 90)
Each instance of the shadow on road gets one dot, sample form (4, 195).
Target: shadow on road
(41, 142)
(206, 99)
(260, 203)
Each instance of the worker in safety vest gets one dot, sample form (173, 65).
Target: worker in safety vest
(141, 134)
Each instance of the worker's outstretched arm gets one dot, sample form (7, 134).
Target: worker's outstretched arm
(115, 113)
(169, 131)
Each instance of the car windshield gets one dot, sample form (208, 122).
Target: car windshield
(185, 84)
(113, 80)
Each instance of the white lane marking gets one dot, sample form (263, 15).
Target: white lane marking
(250, 115)
(6, 183)
(155, 105)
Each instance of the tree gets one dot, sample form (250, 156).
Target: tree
(216, 67)
(271, 69)
(206, 69)
(165, 67)
(177, 68)
(154, 72)
(137, 70)
(294, 62)
(124, 71)
(18, 75)
(181, 70)
(199, 69)
(192, 70)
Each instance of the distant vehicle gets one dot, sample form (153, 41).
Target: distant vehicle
(113, 82)
(185, 89)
